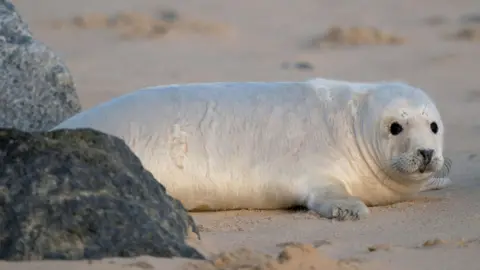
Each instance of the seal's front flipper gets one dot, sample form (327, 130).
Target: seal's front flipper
(435, 183)
(334, 204)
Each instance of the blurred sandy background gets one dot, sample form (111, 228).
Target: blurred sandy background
(116, 46)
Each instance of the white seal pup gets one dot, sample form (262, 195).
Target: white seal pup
(334, 147)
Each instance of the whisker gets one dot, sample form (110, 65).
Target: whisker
(445, 170)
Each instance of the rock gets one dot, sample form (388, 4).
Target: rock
(83, 194)
(37, 89)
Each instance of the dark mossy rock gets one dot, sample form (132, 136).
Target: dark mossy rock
(37, 90)
(82, 194)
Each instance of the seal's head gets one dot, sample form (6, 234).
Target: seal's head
(406, 132)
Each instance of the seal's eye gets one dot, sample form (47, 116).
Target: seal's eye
(434, 127)
(395, 128)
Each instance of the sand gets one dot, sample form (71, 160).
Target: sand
(432, 44)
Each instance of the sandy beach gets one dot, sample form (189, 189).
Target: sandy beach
(114, 47)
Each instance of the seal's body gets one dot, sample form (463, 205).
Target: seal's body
(331, 146)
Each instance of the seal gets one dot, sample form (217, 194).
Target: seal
(335, 147)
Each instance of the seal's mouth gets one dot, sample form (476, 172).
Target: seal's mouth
(422, 168)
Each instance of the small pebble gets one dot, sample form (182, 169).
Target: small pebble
(433, 242)
(304, 66)
(378, 247)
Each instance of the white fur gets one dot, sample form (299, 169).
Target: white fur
(322, 143)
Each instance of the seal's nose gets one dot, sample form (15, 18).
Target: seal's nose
(426, 154)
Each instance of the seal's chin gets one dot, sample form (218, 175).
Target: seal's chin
(422, 172)
(420, 175)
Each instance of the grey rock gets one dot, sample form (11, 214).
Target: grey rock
(83, 194)
(37, 90)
